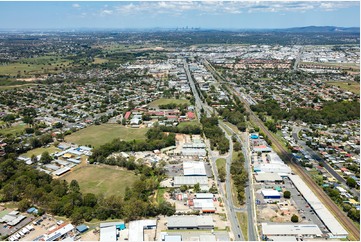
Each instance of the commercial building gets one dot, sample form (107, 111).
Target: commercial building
(268, 177)
(109, 230)
(194, 168)
(136, 229)
(191, 181)
(322, 212)
(281, 169)
(190, 222)
(205, 205)
(269, 194)
(298, 230)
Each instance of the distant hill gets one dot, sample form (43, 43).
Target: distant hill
(320, 29)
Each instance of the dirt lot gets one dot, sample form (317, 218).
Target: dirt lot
(90, 236)
(40, 229)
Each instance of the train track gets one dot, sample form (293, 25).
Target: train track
(354, 231)
(347, 223)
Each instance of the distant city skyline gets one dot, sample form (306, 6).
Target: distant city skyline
(173, 14)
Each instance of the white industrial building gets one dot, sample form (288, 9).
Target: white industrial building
(205, 205)
(281, 169)
(273, 158)
(267, 177)
(191, 181)
(194, 168)
(137, 227)
(109, 230)
(322, 212)
(194, 149)
(190, 222)
(298, 230)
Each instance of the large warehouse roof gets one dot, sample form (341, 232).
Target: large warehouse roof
(291, 229)
(108, 234)
(323, 213)
(194, 168)
(136, 228)
(267, 176)
(190, 221)
(190, 180)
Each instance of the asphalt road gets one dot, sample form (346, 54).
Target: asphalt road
(249, 193)
(228, 202)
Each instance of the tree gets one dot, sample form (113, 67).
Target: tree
(34, 159)
(287, 194)
(222, 175)
(183, 188)
(351, 182)
(74, 186)
(197, 187)
(45, 158)
(294, 218)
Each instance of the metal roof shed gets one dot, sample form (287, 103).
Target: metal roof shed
(82, 228)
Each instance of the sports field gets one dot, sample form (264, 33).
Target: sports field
(97, 135)
(102, 179)
(163, 101)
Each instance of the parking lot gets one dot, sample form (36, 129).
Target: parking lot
(297, 205)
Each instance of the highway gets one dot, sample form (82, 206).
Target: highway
(317, 157)
(228, 202)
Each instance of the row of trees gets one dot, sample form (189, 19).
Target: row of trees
(239, 176)
(215, 134)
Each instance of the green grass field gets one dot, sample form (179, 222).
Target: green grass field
(30, 66)
(160, 194)
(13, 130)
(98, 60)
(242, 218)
(102, 180)
(97, 135)
(189, 123)
(347, 86)
(38, 151)
(163, 101)
(221, 164)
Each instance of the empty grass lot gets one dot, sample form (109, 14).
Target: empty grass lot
(163, 101)
(189, 123)
(17, 129)
(221, 164)
(102, 179)
(38, 151)
(347, 86)
(97, 135)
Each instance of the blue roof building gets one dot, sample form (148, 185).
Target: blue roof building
(82, 228)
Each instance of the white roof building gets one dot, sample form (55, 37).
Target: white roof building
(194, 168)
(204, 205)
(137, 227)
(267, 177)
(190, 180)
(190, 221)
(108, 234)
(323, 213)
(273, 168)
(291, 229)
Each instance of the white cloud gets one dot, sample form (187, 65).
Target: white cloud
(106, 12)
(76, 5)
(221, 7)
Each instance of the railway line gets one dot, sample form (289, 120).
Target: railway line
(347, 223)
(324, 198)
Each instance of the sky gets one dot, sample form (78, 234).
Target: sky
(173, 14)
